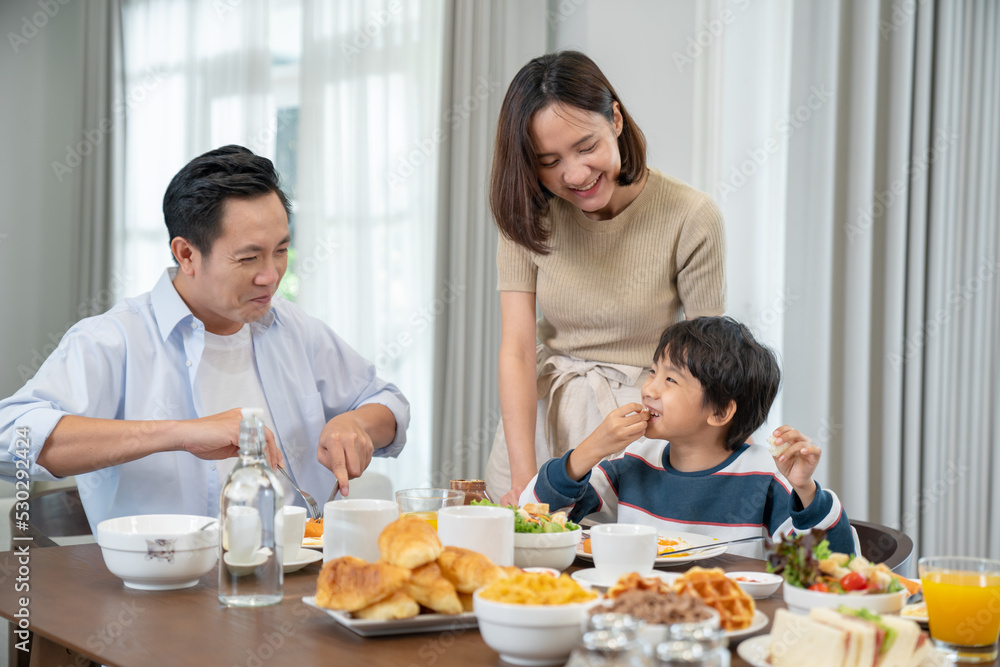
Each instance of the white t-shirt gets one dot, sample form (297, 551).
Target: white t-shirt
(228, 378)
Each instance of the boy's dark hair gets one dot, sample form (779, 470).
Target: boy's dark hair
(730, 364)
(518, 199)
(193, 202)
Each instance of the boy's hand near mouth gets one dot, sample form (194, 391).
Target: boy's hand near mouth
(620, 428)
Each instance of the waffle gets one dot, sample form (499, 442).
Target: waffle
(634, 582)
(735, 607)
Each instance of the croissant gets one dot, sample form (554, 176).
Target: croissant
(349, 583)
(409, 542)
(396, 606)
(429, 587)
(468, 570)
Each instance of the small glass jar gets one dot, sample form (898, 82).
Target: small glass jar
(474, 489)
(694, 645)
(611, 640)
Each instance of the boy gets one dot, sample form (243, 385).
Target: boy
(710, 387)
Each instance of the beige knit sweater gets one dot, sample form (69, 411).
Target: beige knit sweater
(609, 288)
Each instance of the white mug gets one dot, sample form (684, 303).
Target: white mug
(488, 530)
(242, 533)
(352, 527)
(620, 548)
(293, 531)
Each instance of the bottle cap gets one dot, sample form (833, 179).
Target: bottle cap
(248, 413)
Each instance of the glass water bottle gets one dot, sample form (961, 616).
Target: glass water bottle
(250, 522)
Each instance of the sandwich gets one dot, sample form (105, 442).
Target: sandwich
(904, 644)
(846, 638)
(799, 640)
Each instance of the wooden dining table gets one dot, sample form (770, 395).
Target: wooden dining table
(76, 602)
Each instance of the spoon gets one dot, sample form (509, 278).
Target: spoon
(314, 510)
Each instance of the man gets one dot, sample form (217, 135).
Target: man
(142, 403)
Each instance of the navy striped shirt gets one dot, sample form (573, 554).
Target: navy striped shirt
(744, 496)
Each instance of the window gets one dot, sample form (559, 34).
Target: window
(338, 95)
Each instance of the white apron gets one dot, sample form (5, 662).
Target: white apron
(574, 397)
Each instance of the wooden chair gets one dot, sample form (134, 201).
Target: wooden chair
(881, 544)
(51, 514)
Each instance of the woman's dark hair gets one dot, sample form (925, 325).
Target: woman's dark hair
(193, 202)
(723, 356)
(517, 198)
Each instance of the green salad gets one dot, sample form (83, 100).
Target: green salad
(535, 518)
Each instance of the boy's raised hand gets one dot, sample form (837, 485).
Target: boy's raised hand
(798, 462)
(620, 428)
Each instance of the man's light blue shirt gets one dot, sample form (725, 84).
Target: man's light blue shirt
(139, 361)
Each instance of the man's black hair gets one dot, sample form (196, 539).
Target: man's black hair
(194, 201)
(730, 364)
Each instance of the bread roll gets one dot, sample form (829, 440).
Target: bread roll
(429, 587)
(398, 605)
(349, 583)
(409, 542)
(775, 449)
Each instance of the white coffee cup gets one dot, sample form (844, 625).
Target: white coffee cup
(488, 530)
(242, 533)
(620, 548)
(352, 527)
(293, 531)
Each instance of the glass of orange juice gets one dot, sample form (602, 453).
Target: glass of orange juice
(425, 503)
(963, 605)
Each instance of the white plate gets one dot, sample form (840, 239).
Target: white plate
(758, 623)
(303, 558)
(419, 623)
(756, 650)
(590, 579)
(312, 542)
(915, 612)
(693, 539)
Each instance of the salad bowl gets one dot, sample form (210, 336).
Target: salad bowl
(542, 539)
(555, 550)
(815, 577)
(801, 600)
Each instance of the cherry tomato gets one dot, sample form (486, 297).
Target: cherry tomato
(854, 581)
(820, 586)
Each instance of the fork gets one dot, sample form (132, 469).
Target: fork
(314, 510)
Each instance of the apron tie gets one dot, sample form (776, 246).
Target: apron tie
(557, 370)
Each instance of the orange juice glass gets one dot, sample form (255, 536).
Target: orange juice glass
(425, 503)
(429, 517)
(963, 605)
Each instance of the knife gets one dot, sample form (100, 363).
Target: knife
(707, 547)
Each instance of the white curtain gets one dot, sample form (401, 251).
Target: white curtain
(863, 149)
(489, 42)
(197, 76)
(370, 140)
(101, 178)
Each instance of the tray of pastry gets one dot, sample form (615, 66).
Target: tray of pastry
(419, 623)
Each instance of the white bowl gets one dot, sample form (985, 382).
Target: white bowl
(801, 600)
(555, 550)
(159, 551)
(531, 634)
(760, 584)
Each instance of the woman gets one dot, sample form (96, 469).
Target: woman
(614, 252)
